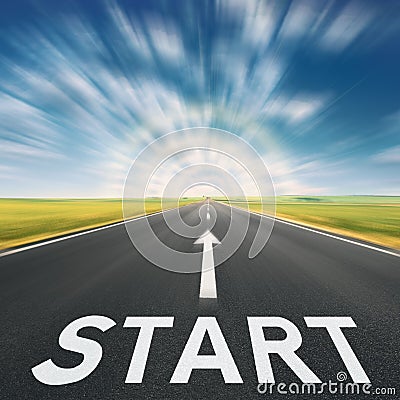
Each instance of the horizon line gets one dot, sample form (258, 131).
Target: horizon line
(192, 197)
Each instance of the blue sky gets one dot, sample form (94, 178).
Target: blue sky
(314, 86)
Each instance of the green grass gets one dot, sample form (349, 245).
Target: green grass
(372, 218)
(24, 221)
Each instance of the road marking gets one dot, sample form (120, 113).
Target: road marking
(318, 232)
(60, 239)
(208, 285)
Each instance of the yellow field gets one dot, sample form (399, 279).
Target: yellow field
(29, 220)
(374, 219)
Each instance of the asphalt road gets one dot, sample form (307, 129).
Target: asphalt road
(299, 273)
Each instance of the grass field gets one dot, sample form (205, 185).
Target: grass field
(372, 218)
(29, 220)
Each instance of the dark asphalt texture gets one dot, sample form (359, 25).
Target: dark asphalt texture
(298, 273)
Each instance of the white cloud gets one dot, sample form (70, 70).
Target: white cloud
(388, 156)
(294, 187)
(346, 27)
(298, 20)
(9, 149)
(132, 34)
(297, 108)
(166, 39)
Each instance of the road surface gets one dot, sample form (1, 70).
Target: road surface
(299, 273)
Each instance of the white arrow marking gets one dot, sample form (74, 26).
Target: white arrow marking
(208, 286)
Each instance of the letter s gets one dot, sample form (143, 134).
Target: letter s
(50, 374)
